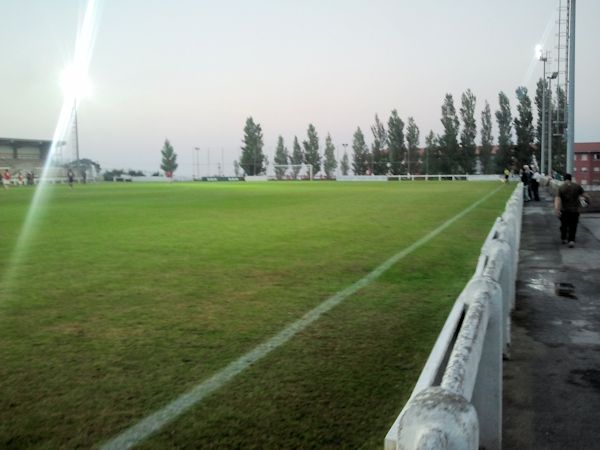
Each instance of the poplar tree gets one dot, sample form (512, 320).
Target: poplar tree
(378, 149)
(311, 149)
(504, 156)
(396, 145)
(449, 140)
(297, 157)
(412, 147)
(253, 159)
(169, 159)
(433, 156)
(487, 140)
(559, 143)
(523, 127)
(469, 132)
(345, 166)
(361, 153)
(281, 158)
(329, 162)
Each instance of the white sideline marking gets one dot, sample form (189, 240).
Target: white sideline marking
(154, 422)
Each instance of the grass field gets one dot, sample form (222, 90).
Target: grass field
(127, 296)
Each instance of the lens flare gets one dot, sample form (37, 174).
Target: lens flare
(75, 85)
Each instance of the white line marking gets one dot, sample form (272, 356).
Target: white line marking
(154, 422)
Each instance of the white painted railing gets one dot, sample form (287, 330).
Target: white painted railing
(457, 401)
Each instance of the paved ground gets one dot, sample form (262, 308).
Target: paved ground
(552, 380)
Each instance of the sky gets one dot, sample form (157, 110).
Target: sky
(192, 71)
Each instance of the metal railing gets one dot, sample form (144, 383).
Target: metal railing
(457, 401)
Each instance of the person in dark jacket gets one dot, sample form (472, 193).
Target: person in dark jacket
(566, 207)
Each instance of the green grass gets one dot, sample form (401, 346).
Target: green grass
(127, 296)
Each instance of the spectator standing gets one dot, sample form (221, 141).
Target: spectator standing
(6, 179)
(566, 207)
(71, 177)
(535, 184)
(526, 180)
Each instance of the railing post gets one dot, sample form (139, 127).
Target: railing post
(487, 395)
(438, 419)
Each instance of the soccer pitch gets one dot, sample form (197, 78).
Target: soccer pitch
(128, 296)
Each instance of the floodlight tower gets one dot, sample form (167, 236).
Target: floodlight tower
(571, 94)
(75, 85)
(543, 56)
(550, 78)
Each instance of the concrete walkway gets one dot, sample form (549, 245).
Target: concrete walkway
(552, 380)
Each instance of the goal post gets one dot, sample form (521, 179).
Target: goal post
(291, 172)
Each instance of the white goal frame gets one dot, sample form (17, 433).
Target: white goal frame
(292, 166)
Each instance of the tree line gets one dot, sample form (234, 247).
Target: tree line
(396, 150)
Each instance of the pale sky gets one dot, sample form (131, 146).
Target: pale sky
(193, 71)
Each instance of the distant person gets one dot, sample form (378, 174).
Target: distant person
(535, 184)
(526, 179)
(20, 179)
(6, 179)
(506, 175)
(84, 176)
(71, 177)
(566, 208)
(30, 178)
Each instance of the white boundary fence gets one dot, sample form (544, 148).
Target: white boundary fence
(441, 177)
(457, 401)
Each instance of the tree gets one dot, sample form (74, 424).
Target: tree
(345, 165)
(559, 143)
(378, 149)
(169, 159)
(252, 159)
(504, 155)
(487, 140)
(329, 163)
(412, 147)
(297, 157)
(541, 86)
(311, 149)
(468, 133)
(433, 156)
(360, 162)
(523, 127)
(236, 168)
(396, 143)
(281, 158)
(449, 140)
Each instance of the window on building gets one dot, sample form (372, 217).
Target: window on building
(596, 156)
(596, 169)
(584, 169)
(584, 157)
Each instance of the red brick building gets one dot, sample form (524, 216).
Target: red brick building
(586, 167)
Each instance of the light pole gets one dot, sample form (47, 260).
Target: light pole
(197, 165)
(550, 78)
(543, 57)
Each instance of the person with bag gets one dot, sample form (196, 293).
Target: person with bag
(566, 208)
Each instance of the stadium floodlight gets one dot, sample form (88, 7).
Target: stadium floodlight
(539, 52)
(76, 85)
(75, 82)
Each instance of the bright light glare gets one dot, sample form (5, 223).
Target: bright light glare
(538, 51)
(75, 82)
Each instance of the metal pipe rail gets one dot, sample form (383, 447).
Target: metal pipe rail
(457, 401)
